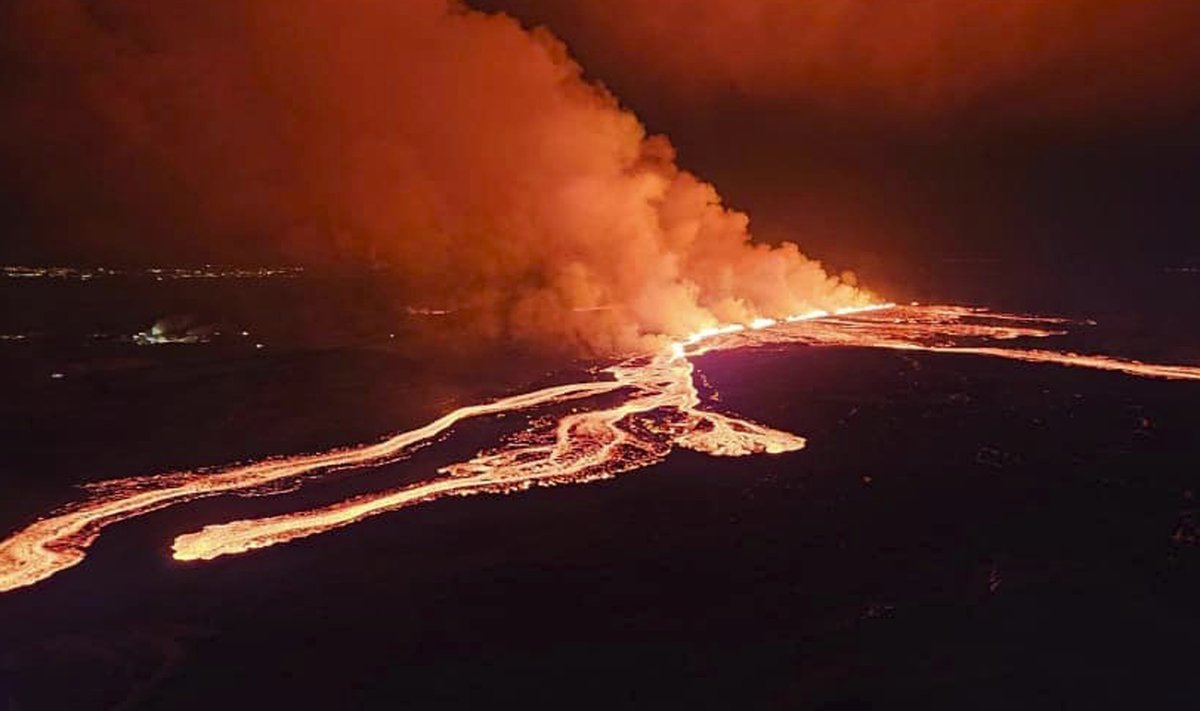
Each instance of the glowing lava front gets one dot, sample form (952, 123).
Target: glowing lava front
(659, 408)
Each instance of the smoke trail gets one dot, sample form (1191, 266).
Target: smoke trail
(468, 153)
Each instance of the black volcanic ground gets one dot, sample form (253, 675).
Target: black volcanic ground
(960, 532)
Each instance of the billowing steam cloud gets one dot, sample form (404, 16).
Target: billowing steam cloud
(1039, 60)
(452, 144)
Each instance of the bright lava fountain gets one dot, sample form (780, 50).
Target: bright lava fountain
(657, 408)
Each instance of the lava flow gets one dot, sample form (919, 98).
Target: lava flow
(658, 408)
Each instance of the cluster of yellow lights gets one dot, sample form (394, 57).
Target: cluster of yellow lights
(660, 409)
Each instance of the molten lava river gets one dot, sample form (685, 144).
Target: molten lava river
(657, 407)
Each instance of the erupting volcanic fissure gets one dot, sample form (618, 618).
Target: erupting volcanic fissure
(468, 155)
(657, 407)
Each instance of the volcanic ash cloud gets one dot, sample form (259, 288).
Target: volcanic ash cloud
(1004, 61)
(462, 149)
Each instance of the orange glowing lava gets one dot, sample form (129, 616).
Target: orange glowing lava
(965, 331)
(659, 409)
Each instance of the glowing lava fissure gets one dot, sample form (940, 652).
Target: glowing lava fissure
(659, 408)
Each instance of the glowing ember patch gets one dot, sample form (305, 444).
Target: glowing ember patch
(659, 411)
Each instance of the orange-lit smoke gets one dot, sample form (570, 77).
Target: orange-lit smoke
(461, 149)
(1016, 59)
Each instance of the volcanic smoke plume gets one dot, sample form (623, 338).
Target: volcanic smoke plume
(1012, 61)
(454, 145)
